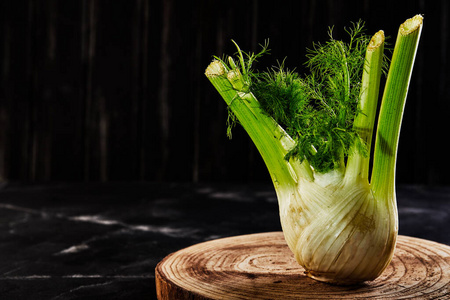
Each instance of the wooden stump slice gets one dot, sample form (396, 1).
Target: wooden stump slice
(261, 266)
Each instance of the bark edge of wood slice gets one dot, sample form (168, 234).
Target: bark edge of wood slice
(261, 266)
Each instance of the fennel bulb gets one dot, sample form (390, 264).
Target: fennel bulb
(315, 133)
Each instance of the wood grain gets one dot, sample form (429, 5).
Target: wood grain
(260, 266)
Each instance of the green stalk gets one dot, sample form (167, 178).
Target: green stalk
(392, 106)
(358, 164)
(271, 140)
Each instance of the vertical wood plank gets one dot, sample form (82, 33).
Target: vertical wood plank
(5, 41)
(140, 85)
(29, 136)
(197, 104)
(136, 84)
(88, 39)
(145, 95)
(164, 71)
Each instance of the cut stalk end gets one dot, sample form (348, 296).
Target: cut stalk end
(215, 68)
(411, 25)
(376, 41)
(235, 78)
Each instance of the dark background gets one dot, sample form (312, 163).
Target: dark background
(114, 90)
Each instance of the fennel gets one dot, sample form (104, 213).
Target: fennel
(314, 134)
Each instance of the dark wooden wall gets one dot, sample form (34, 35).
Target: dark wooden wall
(114, 90)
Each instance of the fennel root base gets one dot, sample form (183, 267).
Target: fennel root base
(261, 266)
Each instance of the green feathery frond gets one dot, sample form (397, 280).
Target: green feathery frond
(318, 109)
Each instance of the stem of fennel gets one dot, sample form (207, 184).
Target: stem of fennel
(392, 107)
(358, 164)
(272, 142)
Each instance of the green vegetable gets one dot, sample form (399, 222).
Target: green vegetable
(314, 133)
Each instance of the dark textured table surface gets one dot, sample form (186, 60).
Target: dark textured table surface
(103, 241)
